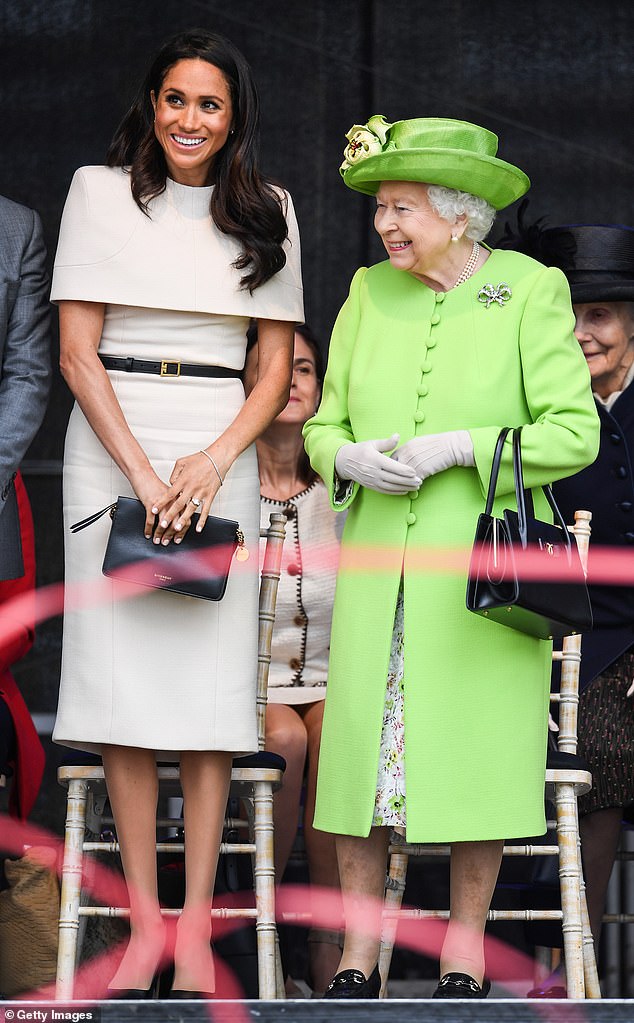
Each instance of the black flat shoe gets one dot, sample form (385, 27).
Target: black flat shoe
(354, 984)
(461, 985)
(205, 996)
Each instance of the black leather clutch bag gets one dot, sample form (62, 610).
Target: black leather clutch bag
(197, 567)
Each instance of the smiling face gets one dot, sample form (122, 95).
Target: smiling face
(193, 114)
(305, 386)
(416, 238)
(605, 331)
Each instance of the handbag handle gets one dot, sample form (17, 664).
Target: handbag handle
(520, 492)
(88, 521)
(520, 495)
(495, 469)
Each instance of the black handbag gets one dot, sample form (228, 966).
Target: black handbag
(544, 608)
(197, 567)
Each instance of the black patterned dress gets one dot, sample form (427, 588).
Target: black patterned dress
(606, 713)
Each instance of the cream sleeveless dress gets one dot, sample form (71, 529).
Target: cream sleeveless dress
(159, 670)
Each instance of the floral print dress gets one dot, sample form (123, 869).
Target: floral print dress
(389, 804)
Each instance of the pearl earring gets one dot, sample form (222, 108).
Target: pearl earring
(454, 237)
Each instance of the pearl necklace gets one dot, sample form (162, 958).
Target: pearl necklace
(469, 266)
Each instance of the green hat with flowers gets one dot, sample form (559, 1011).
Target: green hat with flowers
(434, 150)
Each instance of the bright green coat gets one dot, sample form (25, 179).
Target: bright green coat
(405, 359)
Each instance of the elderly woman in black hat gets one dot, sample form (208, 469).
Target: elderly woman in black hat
(437, 348)
(598, 261)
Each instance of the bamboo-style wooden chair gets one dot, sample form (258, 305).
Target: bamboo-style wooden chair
(253, 778)
(570, 778)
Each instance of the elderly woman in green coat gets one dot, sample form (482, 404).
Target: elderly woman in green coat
(436, 719)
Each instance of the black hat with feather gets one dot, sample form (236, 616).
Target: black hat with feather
(597, 259)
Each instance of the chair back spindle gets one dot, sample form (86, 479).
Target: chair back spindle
(571, 654)
(269, 582)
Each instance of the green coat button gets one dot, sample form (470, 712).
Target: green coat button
(440, 296)
(435, 318)
(431, 343)
(423, 390)
(425, 367)
(411, 519)
(413, 495)
(419, 417)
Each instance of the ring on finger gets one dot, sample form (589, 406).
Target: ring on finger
(196, 502)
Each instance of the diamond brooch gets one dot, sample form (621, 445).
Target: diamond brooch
(489, 293)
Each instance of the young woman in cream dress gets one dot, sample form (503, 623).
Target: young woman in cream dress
(164, 255)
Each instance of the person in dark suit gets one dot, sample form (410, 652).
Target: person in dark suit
(25, 369)
(25, 373)
(598, 261)
(22, 756)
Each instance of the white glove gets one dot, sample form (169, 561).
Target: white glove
(365, 463)
(438, 451)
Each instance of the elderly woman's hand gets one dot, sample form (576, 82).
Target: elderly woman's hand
(365, 463)
(194, 484)
(436, 452)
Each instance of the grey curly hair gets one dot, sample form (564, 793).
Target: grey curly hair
(450, 203)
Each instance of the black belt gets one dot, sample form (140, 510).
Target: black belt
(167, 367)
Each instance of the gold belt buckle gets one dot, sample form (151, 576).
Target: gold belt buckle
(165, 368)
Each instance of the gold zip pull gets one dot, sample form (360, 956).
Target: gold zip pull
(242, 553)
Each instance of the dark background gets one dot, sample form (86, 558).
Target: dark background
(552, 79)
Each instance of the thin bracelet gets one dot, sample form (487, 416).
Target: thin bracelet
(207, 455)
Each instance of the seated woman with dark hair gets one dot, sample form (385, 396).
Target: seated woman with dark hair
(301, 637)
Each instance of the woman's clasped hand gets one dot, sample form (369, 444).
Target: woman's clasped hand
(366, 463)
(405, 469)
(193, 487)
(436, 452)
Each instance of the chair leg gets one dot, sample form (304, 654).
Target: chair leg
(394, 888)
(570, 881)
(590, 972)
(543, 964)
(280, 990)
(264, 882)
(71, 888)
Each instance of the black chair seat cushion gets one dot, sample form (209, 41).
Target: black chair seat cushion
(263, 759)
(79, 758)
(558, 761)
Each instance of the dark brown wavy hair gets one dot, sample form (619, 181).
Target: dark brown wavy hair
(242, 204)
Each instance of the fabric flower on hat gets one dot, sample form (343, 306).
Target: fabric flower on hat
(365, 140)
